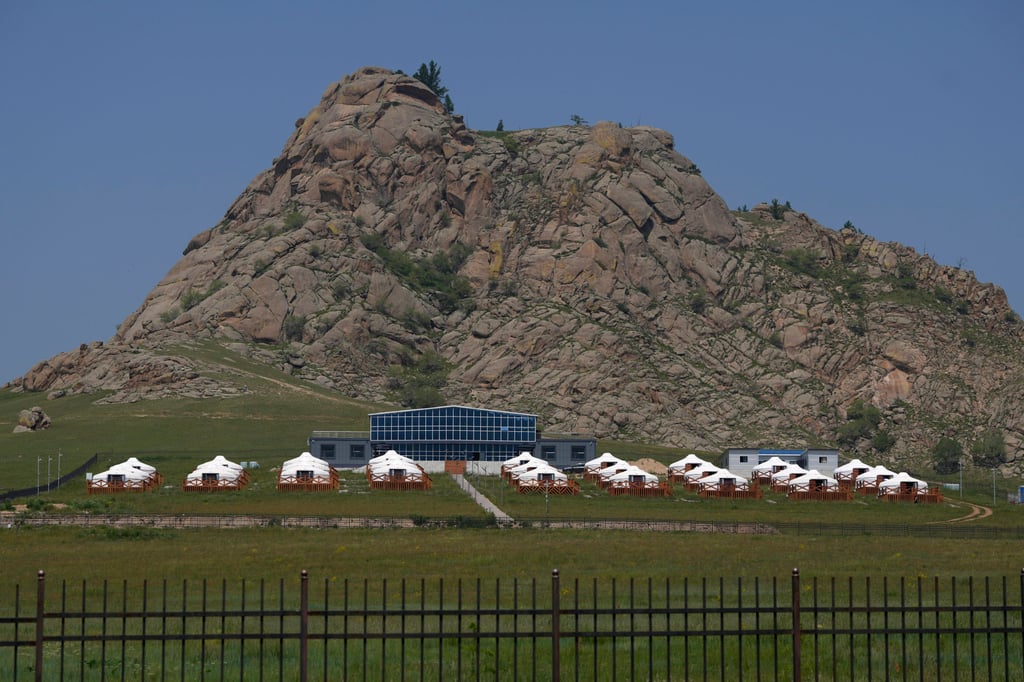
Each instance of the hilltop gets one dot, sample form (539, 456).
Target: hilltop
(587, 274)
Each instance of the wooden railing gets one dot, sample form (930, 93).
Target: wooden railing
(308, 483)
(101, 486)
(651, 489)
(735, 491)
(821, 494)
(383, 481)
(567, 487)
(201, 485)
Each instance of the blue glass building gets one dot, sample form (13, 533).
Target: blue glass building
(450, 432)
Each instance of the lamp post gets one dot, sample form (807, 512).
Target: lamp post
(547, 519)
(48, 460)
(59, 456)
(39, 463)
(961, 463)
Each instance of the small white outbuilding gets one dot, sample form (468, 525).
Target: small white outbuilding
(130, 475)
(218, 474)
(306, 473)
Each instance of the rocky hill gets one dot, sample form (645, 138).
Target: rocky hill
(585, 274)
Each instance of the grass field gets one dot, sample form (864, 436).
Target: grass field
(271, 423)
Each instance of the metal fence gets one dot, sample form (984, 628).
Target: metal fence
(518, 629)
(46, 485)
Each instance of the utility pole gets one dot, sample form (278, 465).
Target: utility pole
(961, 463)
(547, 518)
(39, 463)
(48, 460)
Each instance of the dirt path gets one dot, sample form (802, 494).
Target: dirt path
(977, 512)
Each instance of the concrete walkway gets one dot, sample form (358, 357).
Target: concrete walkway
(488, 506)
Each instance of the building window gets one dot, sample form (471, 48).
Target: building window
(579, 453)
(548, 452)
(327, 451)
(823, 459)
(357, 452)
(744, 458)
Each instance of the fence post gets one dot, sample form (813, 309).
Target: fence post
(304, 627)
(40, 598)
(796, 624)
(556, 635)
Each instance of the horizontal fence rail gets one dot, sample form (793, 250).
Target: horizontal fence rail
(907, 628)
(936, 530)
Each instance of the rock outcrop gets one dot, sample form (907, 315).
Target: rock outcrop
(586, 274)
(32, 420)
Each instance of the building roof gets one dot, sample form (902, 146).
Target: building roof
(452, 407)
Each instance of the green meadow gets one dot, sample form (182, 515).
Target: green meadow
(271, 422)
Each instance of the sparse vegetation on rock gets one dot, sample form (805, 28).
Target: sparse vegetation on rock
(585, 273)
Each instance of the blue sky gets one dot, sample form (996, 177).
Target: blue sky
(128, 127)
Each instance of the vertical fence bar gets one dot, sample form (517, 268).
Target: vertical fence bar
(63, 622)
(955, 627)
(867, 627)
(556, 664)
(223, 624)
(304, 627)
(202, 633)
(383, 627)
(241, 635)
(796, 625)
(40, 596)
(885, 623)
(124, 626)
(458, 629)
(103, 633)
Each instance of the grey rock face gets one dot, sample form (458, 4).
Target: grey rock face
(611, 290)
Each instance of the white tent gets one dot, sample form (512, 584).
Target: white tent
(689, 462)
(770, 465)
(782, 476)
(851, 466)
(605, 475)
(597, 464)
(123, 472)
(522, 458)
(545, 472)
(872, 476)
(389, 455)
(531, 463)
(701, 471)
(217, 469)
(814, 480)
(902, 482)
(397, 467)
(723, 478)
(305, 466)
(632, 474)
(141, 466)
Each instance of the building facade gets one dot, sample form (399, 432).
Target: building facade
(741, 461)
(451, 432)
